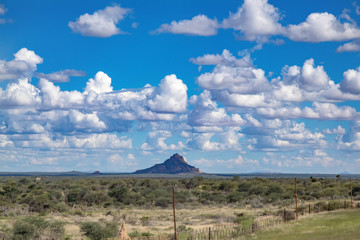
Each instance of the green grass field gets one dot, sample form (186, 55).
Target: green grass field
(344, 224)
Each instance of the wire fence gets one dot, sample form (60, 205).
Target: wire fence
(234, 231)
(228, 231)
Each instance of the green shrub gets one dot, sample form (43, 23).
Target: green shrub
(92, 230)
(97, 231)
(137, 234)
(119, 193)
(36, 227)
(60, 207)
(163, 202)
(134, 234)
(23, 230)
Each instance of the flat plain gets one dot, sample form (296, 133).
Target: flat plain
(261, 208)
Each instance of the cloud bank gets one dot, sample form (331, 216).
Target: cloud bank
(258, 20)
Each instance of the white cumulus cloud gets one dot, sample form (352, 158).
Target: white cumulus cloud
(353, 46)
(170, 96)
(226, 58)
(102, 23)
(255, 18)
(351, 81)
(322, 27)
(235, 77)
(199, 25)
(101, 83)
(24, 64)
(53, 97)
(206, 113)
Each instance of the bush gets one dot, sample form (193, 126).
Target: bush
(56, 230)
(97, 231)
(244, 186)
(35, 227)
(234, 197)
(92, 230)
(119, 193)
(163, 202)
(23, 230)
(60, 207)
(137, 234)
(110, 230)
(76, 196)
(256, 203)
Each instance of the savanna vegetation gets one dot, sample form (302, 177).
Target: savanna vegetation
(58, 195)
(96, 206)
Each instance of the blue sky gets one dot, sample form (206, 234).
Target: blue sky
(234, 86)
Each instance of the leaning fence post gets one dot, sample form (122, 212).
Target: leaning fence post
(209, 233)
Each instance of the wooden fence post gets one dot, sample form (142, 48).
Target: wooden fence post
(284, 215)
(175, 234)
(351, 193)
(297, 214)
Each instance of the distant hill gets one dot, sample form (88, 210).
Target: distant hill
(174, 165)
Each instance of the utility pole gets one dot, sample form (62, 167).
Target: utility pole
(297, 214)
(174, 212)
(351, 193)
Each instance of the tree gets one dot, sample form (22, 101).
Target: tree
(119, 193)
(338, 178)
(97, 231)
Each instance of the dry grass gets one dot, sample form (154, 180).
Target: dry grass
(155, 221)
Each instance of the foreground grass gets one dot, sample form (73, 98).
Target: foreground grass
(344, 224)
(156, 221)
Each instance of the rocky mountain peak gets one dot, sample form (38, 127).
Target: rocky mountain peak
(174, 165)
(177, 158)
